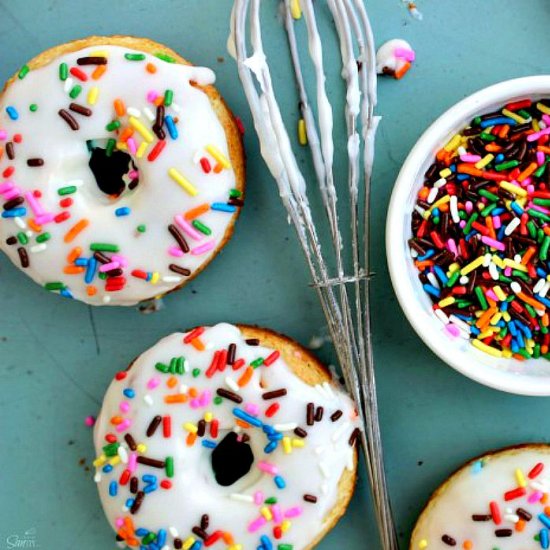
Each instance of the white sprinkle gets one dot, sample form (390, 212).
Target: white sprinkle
(171, 279)
(493, 271)
(461, 150)
(420, 210)
(20, 222)
(545, 289)
(487, 259)
(288, 427)
(183, 388)
(454, 209)
(514, 518)
(414, 254)
(106, 299)
(185, 366)
(516, 287)
(176, 107)
(432, 195)
(132, 111)
(123, 454)
(442, 316)
(173, 531)
(29, 233)
(512, 226)
(440, 183)
(241, 498)
(38, 248)
(149, 114)
(97, 477)
(148, 399)
(464, 280)
(232, 384)
(324, 468)
(539, 286)
(433, 279)
(68, 84)
(237, 429)
(340, 431)
(517, 258)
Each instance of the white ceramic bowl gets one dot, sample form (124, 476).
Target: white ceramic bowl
(521, 377)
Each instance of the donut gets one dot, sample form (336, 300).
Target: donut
(227, 436)
(499, 500)
(122, 170)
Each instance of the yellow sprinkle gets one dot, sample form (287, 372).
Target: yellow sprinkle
(93, 94)
(184, 182)
(484, 161)
(99, 53)
(535, 125)
(514, 265)
(506, 316)
(236, 547)
(520, 478)
(295, 9)
(188, 543)
(190, 427)
(453, 143)
(99, 461)
(121, 146)
(495, 318)
(114, 460)
(208, 416)
(140, 127)
(155, 278)
(487, 349)
(514, 116)
(302, 133)
(500, 293)
(300, 443)
(497, 260)
(436, 204)
(489, 332)
(266, 513)
(287, 447)
(543, 108)
(141, 448)
(423, 544)
(445, 173)
(219, 156)
(472, 265)
(455, 267)
(507, 353)
(447, 301)
(141, 149)
(515, 189)
(285, 525)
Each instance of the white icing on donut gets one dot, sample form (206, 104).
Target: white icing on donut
(388, 61)
(158, 200)
(471, 490)
(314, 465)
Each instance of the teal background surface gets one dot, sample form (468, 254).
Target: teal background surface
(57, 357)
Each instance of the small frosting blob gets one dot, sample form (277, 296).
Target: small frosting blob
(115, 179)
(394, 57)
(209, 436)
(497, 501)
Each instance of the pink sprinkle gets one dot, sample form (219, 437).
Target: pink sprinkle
(252, 408)
(132, 174)
(43, 219)
(205, 398)
(462, 224)
(468, 157)
(89, 421)
(258, 498)
(493, 243)
(526, 182)
(34, 204)
(153, 382)
(13, 194)
(405, 53)
(540, 158)
(108, 267)
(534, 497)
(188, 228)
(539, 208)
(268, 468)
(132, 462)
(132, 147)
(120, 259)
(124, 425)
(198, 250)
(3, 135)
(496, 222)
(175, 251)
(452, 330)
(6, 186)
(256, 524)
(507, 271)
(119, 522)
(277, 513)
(293, 512)
(530, 188)
(537, 135)
(195, 403)
(491, 294)
(469, 206)
(124, 406)
(152, 95)
(546, 119)
(451, 245)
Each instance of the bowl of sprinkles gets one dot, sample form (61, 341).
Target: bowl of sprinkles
(468, 236)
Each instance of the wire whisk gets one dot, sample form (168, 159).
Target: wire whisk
(343, 290)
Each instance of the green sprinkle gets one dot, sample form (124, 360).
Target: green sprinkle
(487, 137)
(531, 310)
(285, 547)
(524, 114)
(544, 329)
(33, 107)
(75, 91)
(532, 229)
(476, 121)
(111, 143)
(481, 297)
(506, 165)
(111, 449)
(55, 286)
(235, 194)
(468, 226)
(488, 195)
(436, 220)
(134, 56)
(69, 190)
(201, 227)
(22, 238)
(172, 366)
(504, 279)
(43, 237)
(542, 202)
(218, 400)
(168, 97)
(102, 275)
(165, 57)
(270, 500)
(195, 372)
(63, 71)
(257, 362)
(543, 254)
(487, 210)
(149, 537)
(453, 278)
(540, 170)
(162, 367)
(521, 275)
(539, 215)
(169, 466)
(112, 126)
(536, 351)
(142, 228)
(23, 72)
(180, 363)
(104, 247)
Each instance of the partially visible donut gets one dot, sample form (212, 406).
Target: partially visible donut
(230, 437)
(121, 170)
(499, 500)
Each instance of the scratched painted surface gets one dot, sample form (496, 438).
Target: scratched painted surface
(57, 356)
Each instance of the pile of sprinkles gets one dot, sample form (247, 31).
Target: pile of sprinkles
(35, 221)
(481, 231)
(215, 409)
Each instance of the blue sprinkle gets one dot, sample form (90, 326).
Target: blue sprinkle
(545, 520)
(477, 466)
(428, 254)
(275, 436)
(441, 274)
(541, 272)
(516, 208)
(512, 328)
(129, 393)
(543, 535)
(223, 207)
(81, 262)
(521, 341)
(122, 211)
(66, 293)
(141, 532)
(196, 545)
(148, 478)
(435, 212)
(12, 112)
(280, 482)
(90, 271)
(498, 159)
(14, 212)
(266, 543)
(462, 177)
(161, 537)
(268, 429)
(107, 468)
(153, 546)
(270, 447)
(209, 444)
(475, 331)
(150, 488)
(497, 120)
(247, 417)
(431, 290)
(129, 503)
(171, 126)
(113, 488)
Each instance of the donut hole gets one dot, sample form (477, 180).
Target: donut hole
(114, 171)
(231, 459)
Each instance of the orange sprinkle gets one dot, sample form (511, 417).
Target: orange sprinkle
(544, 349)
(159, 100)
(520, 525)
(465, 168)
(544, 498)
(228, 538)
(218, 168)
(176, 398)
(483, 321)
(242, 424)
(422, 265)
(493, 148)
(544, 149)
(73, 270)
(151, 68)
(246, 376)
(127, 133)
(91, 290)
(172, 381)
(77, 228)
(196, 212)
(193, 392)
(468, 545)
(191, 438)
(402, 71)
(545, 320)
(527, 172)
(547, 510)
(518, 357)
(423, 193)
(34, 226)
(528, 255)
(120, 108)
(503, 132)
(116, 420)
(441, 154)
(531, 301)
(99, 71)
(74, 254)
(198, 344)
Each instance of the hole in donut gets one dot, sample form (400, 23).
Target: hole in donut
(231, 459)
(114, 170)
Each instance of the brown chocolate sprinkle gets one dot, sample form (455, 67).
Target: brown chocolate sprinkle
(159, 132)
(35, 162)
(253, 341)
(69, 119)
(353, 437)
(310, 414)
(178, 543)
(201, 533)
(235, 202)
(10, 151)
(222, 392)
(448, 540)
(101, 258)
(205, 521)
(336, 415)
(134, 482)
(92, 60)
(11, 240)
(524, 514)
(80, 109)
(153, 462)
(274, 394)
(137, 502)
(231, 352)
(319, 414)
(159, 119)
(310, 498)
(14, 203)
(178, 236)
(245, 438)
(300, 432)
(114, 272)
(482, 517)
(180, 270)
(201, 428)
(131, 442)
(501, 533)
(23, 257)
(154, 424)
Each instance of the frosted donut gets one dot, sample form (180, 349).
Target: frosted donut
(228, 435)
(121, 170)
(499, 500)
